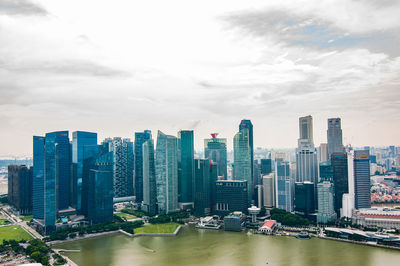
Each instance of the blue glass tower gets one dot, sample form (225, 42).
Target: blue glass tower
(149, 178)
(140, 138)
(84, 146)
(38, 178)
(186, 166)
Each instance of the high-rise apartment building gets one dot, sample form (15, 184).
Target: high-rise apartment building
(215, 149)
(84, 146)
(149, 179)
(334, 134)
(20, 188)
(186, 169)
(362, 182)
(326, 210)
(140, 138)
(167, 173)
(243, 163)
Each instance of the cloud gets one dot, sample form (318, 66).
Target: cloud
(21, 7)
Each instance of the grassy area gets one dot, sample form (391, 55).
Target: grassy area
(4, 222)
(124, 215)
(157, 228)
(13, 232)
(27, 218)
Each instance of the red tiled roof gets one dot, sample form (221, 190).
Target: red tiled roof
(269, 223)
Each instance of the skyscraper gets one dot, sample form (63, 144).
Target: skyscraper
(284, 186)
(38, 178)
(245, 123)
(323, 152)
(205, 176)
(326, 171)
(266, 166)
(186, 172)
(140, 138)
(215, 149)
(84, 146)
(243, 164)
(334, 134)
(340, 178)
(149, 178)
(304, 198)
(326, 212)
(20, 188)
(269, 190)
(123, 166)
(167, 173)
(362, 182)
(231, 195)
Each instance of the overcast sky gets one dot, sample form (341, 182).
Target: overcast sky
(116, 67)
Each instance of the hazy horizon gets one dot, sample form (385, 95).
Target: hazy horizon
(119, 67)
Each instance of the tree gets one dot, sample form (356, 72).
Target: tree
(36, 256)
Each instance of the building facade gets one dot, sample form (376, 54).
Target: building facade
(205, 178)
(326, 210)
(20, 188)
(284, 186)
(149, 179)
(186, 169)
(38, 178)
(140, 138)
(215, 149)
(362, 182)
(334, 135)
(304, 198)
(243, 164)
(269, 190)
(340, 178)
(231, 195)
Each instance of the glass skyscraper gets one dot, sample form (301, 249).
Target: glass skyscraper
(362, 182)
(84, 146)
(304, 198)
(38, 178)
(243, 164)
(140, 138)
(245, 123)
(340, 178)
(149, 179)
(215, 149)
(326, 210)
(186, 174)
(206, 175)
(284, 186)
(20, 188)
(167, 173)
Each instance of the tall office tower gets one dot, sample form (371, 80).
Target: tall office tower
(243, 163)
(323, 152)
(149, 178)
(266, 166)
(231, 195)
(167, 173)
(215, 149)
(348, 202)
(362, 181)
(206, 176)
(38, 178)
(84, 146)
(340, 178)
(326, 208)
(20, 188)
(306, 157)
(334, 133)
(123, 167)
(304, 198)
(246, 124)
(326, 171)
(257, 173)
(100, 190)
(140, 138)
(284, 186)
(269, 190)
(186, 172)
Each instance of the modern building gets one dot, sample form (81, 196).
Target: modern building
(149, 179)
(246, 124)
(140, 138)
(377, 218)
(20, 188)
(231, 195)
(304, 198)
(284, 186)
(334, 134)
(323, 152)
(266, 166)
(205, 178)
(235, 221)
(269, 190)
(84, 146)
(101, 190)
(167, 173)
(325, 171)
(215, 149)
(362, 182)
(243, 163)
(340, 178)
(186, 169)
(326, 210)
(38, 178)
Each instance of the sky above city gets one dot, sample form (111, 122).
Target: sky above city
(116, 67)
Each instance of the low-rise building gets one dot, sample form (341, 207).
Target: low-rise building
(235, 221)
(268, 227)
(377, 218)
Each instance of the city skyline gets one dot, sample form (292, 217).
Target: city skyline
(206, 67)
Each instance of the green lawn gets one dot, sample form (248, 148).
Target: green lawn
(27, 218)
(125, 215)
(4, 222)
(157, 228)
(13, 232)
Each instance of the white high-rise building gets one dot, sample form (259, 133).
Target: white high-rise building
(269, 190)
(348, 202)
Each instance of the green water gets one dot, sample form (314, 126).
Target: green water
(210, 247)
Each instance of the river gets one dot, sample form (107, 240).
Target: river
(216, 247)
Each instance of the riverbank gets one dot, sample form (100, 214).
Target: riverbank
(359, 242)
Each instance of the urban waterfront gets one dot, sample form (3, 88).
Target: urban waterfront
(216, 247)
